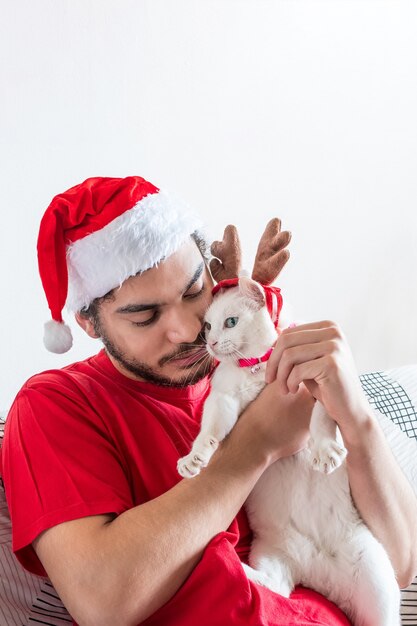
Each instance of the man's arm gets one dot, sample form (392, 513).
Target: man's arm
(121, 570)
(319, 355)
(384, 498)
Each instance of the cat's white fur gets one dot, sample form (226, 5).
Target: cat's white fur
(306, 528)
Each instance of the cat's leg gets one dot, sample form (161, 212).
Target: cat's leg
(219, 416)
(279, 554)
(376, 595)
(327, 453)
(358, 577)
(270, 567)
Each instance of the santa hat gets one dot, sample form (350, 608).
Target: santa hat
(273, 297)
(99, 233)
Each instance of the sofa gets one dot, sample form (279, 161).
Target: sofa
(26, 600)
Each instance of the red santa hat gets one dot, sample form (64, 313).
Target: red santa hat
(99, 233)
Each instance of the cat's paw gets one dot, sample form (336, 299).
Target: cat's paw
(191, 465)
(326, 455)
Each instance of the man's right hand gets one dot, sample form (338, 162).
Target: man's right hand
(276, 425)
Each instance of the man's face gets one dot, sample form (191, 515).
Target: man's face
(152, 329)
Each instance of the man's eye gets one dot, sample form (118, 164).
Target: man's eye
(195, 294)
(150, 320)
(231, 321)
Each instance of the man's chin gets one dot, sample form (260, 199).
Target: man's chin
(169, 376)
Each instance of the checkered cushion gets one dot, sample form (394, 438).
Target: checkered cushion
(394, 396)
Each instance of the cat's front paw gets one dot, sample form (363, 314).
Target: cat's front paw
(326, 455)
(191, 465)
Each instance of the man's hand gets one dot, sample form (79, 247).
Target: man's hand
(318, 355)
(274, 425)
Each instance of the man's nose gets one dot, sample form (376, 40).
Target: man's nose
(183, 327)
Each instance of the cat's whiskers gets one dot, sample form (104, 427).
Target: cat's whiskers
(185, 352)
(186, 380)
(200, 361)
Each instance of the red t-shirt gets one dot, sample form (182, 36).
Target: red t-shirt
(86, 440)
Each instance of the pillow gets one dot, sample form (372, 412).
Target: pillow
(394, 396)
(26, 600)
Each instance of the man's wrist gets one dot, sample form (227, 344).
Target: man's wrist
(358, 433)
(242, 454)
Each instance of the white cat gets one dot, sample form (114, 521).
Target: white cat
(306, 528)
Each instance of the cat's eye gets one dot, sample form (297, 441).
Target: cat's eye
(231, 321)
(208, 326)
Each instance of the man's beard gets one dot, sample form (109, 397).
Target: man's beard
(201, 363)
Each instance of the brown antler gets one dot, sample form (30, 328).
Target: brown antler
(228, 261)
(272, 253)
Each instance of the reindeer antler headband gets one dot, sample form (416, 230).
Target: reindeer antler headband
(271, 255)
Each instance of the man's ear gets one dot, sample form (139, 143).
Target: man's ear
(87, 325)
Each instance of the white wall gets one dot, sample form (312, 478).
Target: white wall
(247, 109)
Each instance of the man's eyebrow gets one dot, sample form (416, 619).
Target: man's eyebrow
(137, 308)
(195, 278)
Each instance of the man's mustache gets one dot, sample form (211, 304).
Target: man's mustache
(184, 350)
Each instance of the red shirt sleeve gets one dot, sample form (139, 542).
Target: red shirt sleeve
(59, 464)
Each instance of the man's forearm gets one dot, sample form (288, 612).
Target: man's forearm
(163, 540)
(130, 566)
(384, 498)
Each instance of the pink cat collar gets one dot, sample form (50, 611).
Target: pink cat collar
(256, 360)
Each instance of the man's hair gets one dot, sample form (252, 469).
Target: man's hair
(92, 311)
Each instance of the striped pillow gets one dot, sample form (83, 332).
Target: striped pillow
(27, 600)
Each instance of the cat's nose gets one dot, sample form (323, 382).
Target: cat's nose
(213, 343)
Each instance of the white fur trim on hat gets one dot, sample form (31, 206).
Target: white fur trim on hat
(137, 240)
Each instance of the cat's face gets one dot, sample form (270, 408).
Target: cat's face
(238, 324)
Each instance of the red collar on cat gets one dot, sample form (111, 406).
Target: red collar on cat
(255, 361)
(273, 296)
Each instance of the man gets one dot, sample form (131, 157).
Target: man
(90, 453)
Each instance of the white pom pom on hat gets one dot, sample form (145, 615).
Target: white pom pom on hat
(99, 233)
(57, 337)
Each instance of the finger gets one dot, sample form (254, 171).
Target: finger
(313, 326)
(304, 334)
(298, 355)
(312, 371)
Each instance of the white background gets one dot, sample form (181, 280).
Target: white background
(245, 108)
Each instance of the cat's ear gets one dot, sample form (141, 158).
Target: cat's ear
(252, 291)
